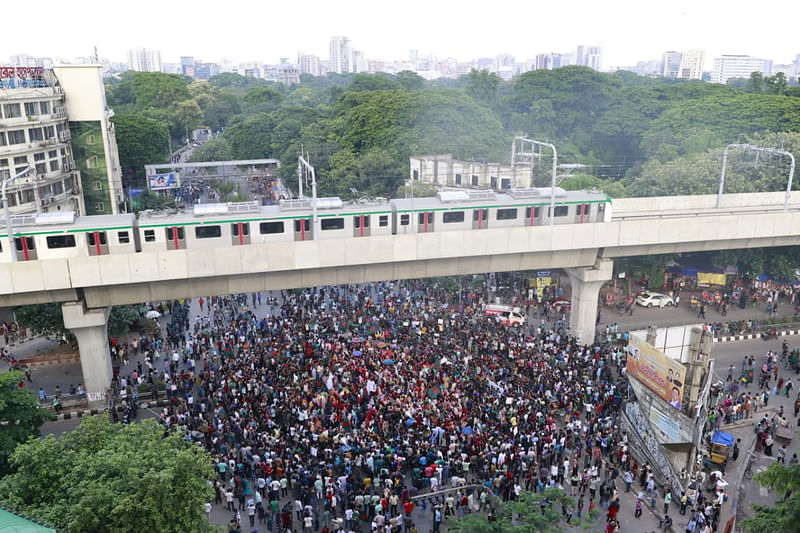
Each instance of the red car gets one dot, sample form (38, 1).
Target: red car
(558, 304)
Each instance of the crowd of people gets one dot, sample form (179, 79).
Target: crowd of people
(352, 408)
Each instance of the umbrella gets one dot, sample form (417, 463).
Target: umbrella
(467, 430)
(388, 361)
(410, 422)
(152, 314)
(357, 353)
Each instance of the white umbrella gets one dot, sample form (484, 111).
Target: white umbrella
(152, 314)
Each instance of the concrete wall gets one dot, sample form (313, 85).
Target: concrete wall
(705, 201)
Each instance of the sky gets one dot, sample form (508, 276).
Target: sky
(240, 30)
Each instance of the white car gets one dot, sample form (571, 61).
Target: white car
(654, 299)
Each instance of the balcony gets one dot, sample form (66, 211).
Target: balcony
(60, 112)
(64, 136)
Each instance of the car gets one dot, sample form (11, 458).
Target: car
(558, 304)
(654, 299)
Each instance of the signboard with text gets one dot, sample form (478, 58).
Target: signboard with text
(159, 182)
(657, 372)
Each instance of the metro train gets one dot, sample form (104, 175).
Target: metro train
(63, 235)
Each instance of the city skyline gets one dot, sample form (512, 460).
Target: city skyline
(628, 31)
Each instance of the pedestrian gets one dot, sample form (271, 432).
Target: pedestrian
(667, 500)
(638, 512)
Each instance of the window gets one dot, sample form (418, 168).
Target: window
(30, 109)
(36, 134)
(100, 208)
(268, 228)
(90, 238)
(44, 108)
(506, 214)
(332, 223)
(357, 221)
(149, 235)
(171, 234)
(306, 225)
(41, 168)
(450, 217)
(208, 232)
(90, 139)
(21, 160)
(423, 216)
(97, 185)
(123, 237)
(27, 195)
(12, 111)
(383, 221)
(68, 184)
(49, 133)
(405, 220)
(493, 182)
(38, 157)
(245, 229)
(61, 241)
(480, 214)
(58, 187)
(505, 183)
(52, 154)
(91, 162)
(601, 210)
(458, 179)
(474, 181)
(561, 210)
(54, 165)
(16, 137)
(416, 174)
(535, 212)
(29, 244)
(3, 140)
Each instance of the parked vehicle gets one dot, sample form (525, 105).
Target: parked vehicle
(506, 314)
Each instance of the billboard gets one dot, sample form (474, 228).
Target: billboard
(657, 372)
(159, 182)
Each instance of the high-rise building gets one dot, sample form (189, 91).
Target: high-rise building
(691, 65)
(413, 56)
(309, 64)
(141, 60)
(670, 64)
(590, 56)
(358, 62)
(738, 66)
(57, 123)
(340, 55)
(187, 66)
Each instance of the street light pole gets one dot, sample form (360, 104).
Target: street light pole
(314, 218)
(553, 177)
(8, 215)
(758, 149)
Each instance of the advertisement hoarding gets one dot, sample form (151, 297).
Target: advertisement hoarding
(159, 182)
(657, 372)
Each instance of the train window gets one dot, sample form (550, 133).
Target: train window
(601, 209)
(383, 220)
(90, 238)
(28, 242)
(61, 241)
(123, 237)
(450, 217)
(506, 214)
(535, 213)
(561, 210)
(357, 221)
(405, 220)
(332, 223)
(171, 235)
(505, 183)
(306, 222)
(267, 228)
(207, 232)
(480, 214)
(149, 235)
(245, 229)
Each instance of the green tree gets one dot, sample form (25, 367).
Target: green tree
(42, 319)
(105, 477)
(20, 415)
(158, 90)
(216, 149)
(141, 141)
(785, 514)
(410, 80)
(756, 82)
(258, 96)
(186, 115)
(121, 318)
(148, 199)
(482, 86)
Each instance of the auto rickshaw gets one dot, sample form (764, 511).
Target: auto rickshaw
(721, 445)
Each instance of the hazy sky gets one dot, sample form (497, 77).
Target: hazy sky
(629, 30)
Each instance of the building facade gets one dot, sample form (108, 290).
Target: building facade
(340, 55)
(727, 67)
(444, 171)
(692, 64)
(142, 60)
(35, 134)
(309, 64)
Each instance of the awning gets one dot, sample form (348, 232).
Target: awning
(11, 523)
(720, 437)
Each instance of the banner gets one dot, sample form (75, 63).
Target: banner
(159, 182)
(657, 372)
(711, 278)
(669, 427)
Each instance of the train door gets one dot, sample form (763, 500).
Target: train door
(302, 229)
(480, 218)
(361, 226)
(26, 248)
(425, 222)
(532, 215)
(582, 212)
(96, 243)
(240, 233)
(176, 238)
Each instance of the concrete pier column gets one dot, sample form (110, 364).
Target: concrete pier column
(586, 283)
(90, 328)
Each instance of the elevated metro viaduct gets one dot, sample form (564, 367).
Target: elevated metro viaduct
(89, 286)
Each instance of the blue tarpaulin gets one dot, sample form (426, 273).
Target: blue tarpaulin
(720, 437)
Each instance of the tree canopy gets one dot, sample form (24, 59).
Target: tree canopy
(105, 477)
(20, 415)
(785, 514)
